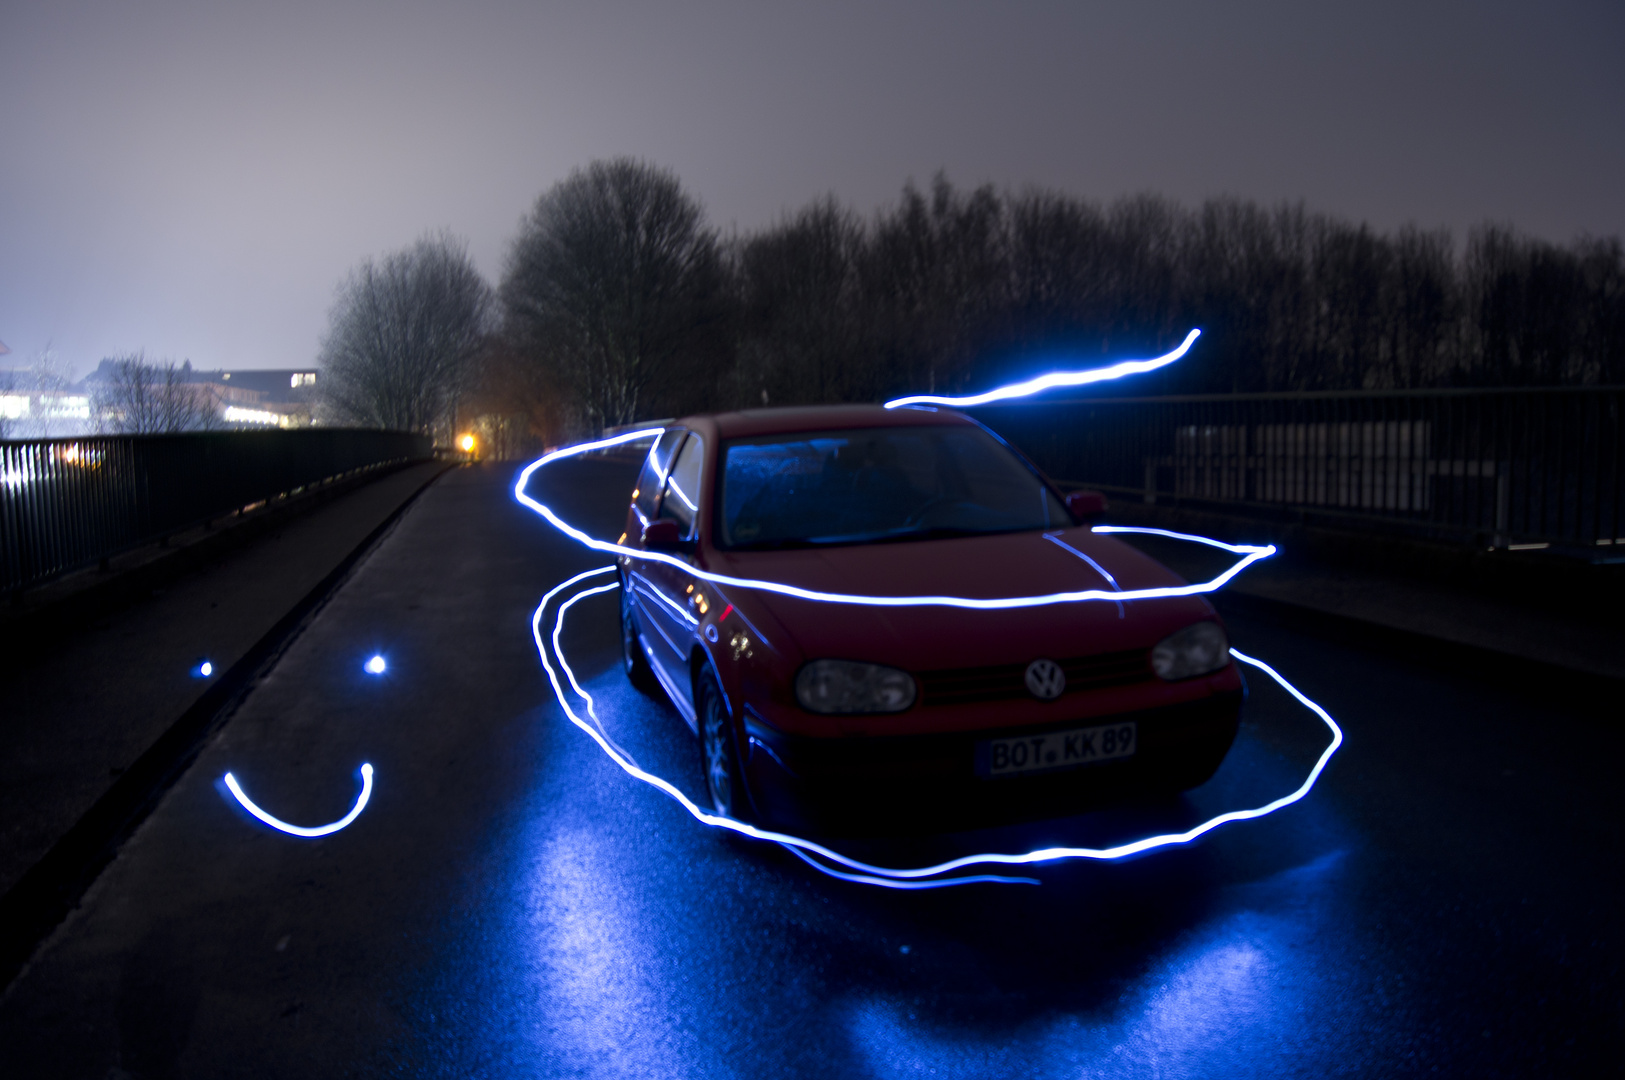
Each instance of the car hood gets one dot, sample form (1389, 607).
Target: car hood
(983, 567)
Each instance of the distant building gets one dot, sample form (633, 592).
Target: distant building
(28, 410)
(33, 407)
(286, 393)
(275, 397)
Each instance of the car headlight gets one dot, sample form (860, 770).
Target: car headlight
(1196, 650)
(847, 686)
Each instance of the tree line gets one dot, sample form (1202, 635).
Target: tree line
(619, 302)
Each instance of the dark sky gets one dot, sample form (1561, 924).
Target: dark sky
(194, 179)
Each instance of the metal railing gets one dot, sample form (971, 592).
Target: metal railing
(69, 503)
(1496, 468)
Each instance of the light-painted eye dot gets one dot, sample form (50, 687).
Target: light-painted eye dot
(375, 666)
(205, 669)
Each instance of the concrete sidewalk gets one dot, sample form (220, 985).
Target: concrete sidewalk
(1537, 608)
(79, 713)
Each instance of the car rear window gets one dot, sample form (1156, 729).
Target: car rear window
(877, 484)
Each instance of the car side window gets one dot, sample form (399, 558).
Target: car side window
(682, 494)
(654, 473)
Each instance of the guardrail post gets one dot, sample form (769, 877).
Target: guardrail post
(1503, 486)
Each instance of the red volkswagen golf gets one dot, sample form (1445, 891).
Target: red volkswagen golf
(840, 718)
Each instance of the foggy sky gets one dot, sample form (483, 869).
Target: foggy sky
(195, 179)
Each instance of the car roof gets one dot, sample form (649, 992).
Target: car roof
(752, 422)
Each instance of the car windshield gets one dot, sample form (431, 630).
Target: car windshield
(877, 484)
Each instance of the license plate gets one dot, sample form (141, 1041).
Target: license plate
(1056, 750)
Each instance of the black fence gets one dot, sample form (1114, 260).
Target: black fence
(68, 503)
(1494, 468)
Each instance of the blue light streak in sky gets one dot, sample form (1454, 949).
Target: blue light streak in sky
(847, 868)
(1053, 380)
(1251, 553)
(300, 830)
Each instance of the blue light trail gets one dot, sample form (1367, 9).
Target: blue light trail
(1053, 380)
(1055, 539)
(681, 494)
(834, 863)
(1250, 553)
(300, 830)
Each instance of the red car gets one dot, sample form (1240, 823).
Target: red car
(840, 718)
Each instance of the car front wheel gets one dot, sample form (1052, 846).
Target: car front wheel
(721, 757)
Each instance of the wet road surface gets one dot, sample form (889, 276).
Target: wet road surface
(510, 903)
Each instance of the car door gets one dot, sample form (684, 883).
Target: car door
(665, 595)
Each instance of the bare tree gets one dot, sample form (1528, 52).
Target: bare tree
(25, 414)
(801, 324)
(404, 337)
(615, 282)
(48, 370)
(510, 385)
(609, 305)
(141, 398)
(49, 376)
(938, 272)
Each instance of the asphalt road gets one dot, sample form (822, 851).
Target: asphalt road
(510, 903)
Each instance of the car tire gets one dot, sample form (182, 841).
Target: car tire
(719, 753)
(633, 659)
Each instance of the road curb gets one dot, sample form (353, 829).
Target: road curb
(49, 891)
(1506, 669)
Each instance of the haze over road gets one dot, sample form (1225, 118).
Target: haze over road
(511, 903)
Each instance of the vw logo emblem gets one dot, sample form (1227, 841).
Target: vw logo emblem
(1045, 680)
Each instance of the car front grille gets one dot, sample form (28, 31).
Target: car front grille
(1002, 682)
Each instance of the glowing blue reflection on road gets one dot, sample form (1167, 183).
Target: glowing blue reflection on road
(1211, 1000)
(300, 830)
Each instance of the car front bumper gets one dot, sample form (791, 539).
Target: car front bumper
(929, 783)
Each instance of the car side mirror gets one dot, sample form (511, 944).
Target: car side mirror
(663, 534)
(1086, 507)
